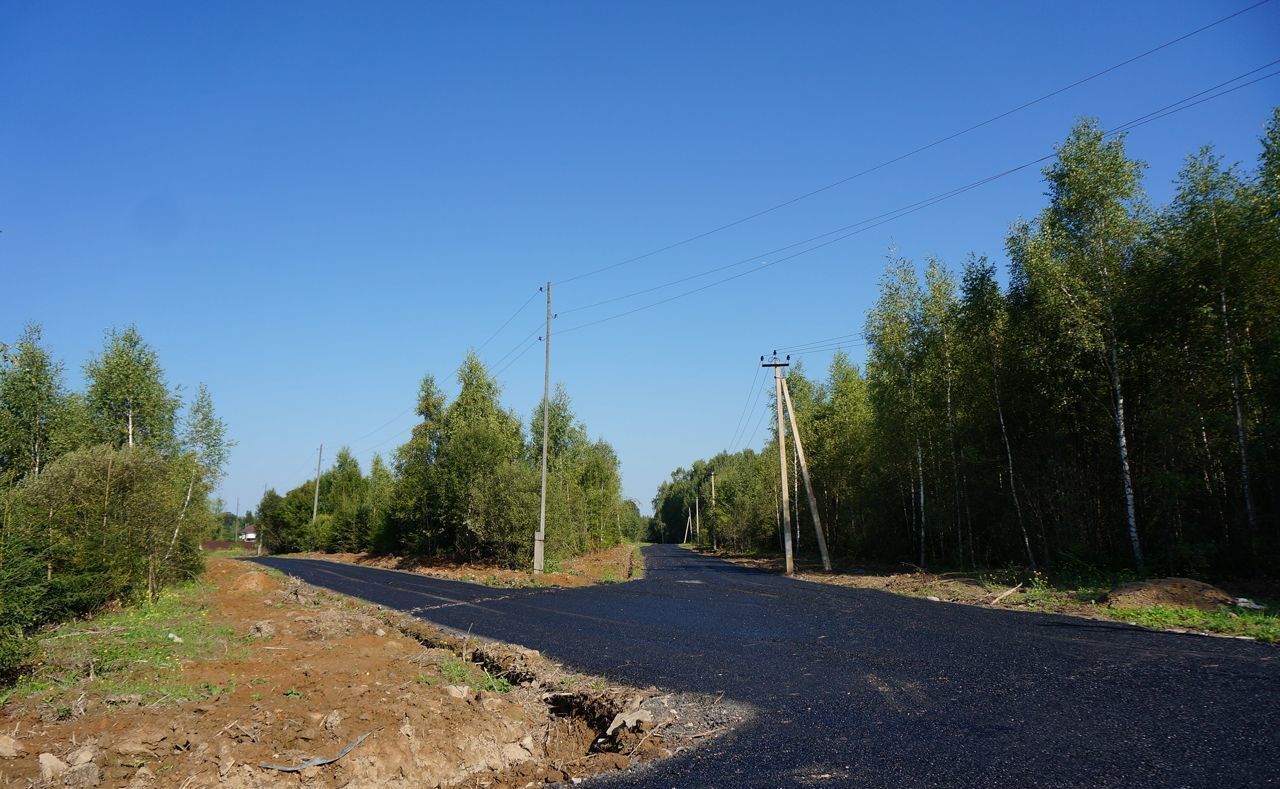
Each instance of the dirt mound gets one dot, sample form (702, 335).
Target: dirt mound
(1172, 592)
(254, 582)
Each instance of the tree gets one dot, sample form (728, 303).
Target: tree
(205, 449)
(33, 405)
(1076, 257)
(127, 395)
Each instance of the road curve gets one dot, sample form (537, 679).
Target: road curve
(856, 687)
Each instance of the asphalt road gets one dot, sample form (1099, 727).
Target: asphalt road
(856, 687)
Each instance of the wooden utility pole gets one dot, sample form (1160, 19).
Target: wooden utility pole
(808, 484)
(540, 537)
(782, 457)
(315, 500)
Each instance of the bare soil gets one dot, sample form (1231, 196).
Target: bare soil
(310, 674)
(1175, 592)
(975, 589)
(611, 565)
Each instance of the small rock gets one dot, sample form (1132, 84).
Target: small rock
(934, 599)
(83, 755)
(10, 748)
(142, 777)
(625, 720)
(458, 691)
(332, 721)
(132, 748)
(379, 632)
(83, 775)
(125, 700)
(262, 629)
(51, 767)
(175, 638)
(1244, 602)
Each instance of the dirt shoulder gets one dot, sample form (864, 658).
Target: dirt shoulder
(612, 565)
(1173, 604)
(249, 668)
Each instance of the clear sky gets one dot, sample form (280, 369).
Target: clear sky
(308, 206)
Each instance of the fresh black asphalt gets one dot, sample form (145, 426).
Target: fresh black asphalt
(856, 687)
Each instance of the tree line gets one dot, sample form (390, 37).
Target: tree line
(1116, 404)
(105, 493)
(466, 485)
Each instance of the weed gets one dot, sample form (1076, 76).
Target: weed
(494, 684)
(1262, 625)
(255, 696)
(426, 680)
(455, 672)
(294, 693)
(256, 681)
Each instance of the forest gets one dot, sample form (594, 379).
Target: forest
(1115, 405)
(105, 493)
(466, 485)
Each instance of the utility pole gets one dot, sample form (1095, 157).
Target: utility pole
(782, 457)
(714, 537)
(236, 538)
(315, 501)
(258, 533)
(808, 484)
(795, 464)
(697, 518)
(688, 524)
(540, 537)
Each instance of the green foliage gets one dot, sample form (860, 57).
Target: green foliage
(467, 485)
(82, 523)
(1117, 405)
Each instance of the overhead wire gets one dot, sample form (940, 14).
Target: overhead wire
(915, 151)
(745, 408)
(870, 223)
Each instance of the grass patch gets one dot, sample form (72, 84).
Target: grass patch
(1261, 625)
(128, 651)
(455, 672)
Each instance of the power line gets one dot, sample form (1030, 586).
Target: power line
(864, 225)
(913, 152)
(746, 407)
(851, 337)
(507, 322)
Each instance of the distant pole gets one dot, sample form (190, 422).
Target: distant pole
(697, 518)
(258, 533)
(540, 537)
(315, 500)
(808, 483)
(714, 537)
(782, 458)
(237, 535)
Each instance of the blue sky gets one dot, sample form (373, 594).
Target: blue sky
(308, 206)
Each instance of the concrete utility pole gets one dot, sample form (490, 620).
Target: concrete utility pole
(315, 501)
(782, 457)
(714, 536)
(808, 484)
(540, 537)
(697, 518)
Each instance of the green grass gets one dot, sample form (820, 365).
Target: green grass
(1261, 625)
(456, 672)
(129, 651)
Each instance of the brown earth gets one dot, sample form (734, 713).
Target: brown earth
(309, 674)
(610, 565)
(1175, 592)
(972, 590)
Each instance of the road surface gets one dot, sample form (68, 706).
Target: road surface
(856, 687)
